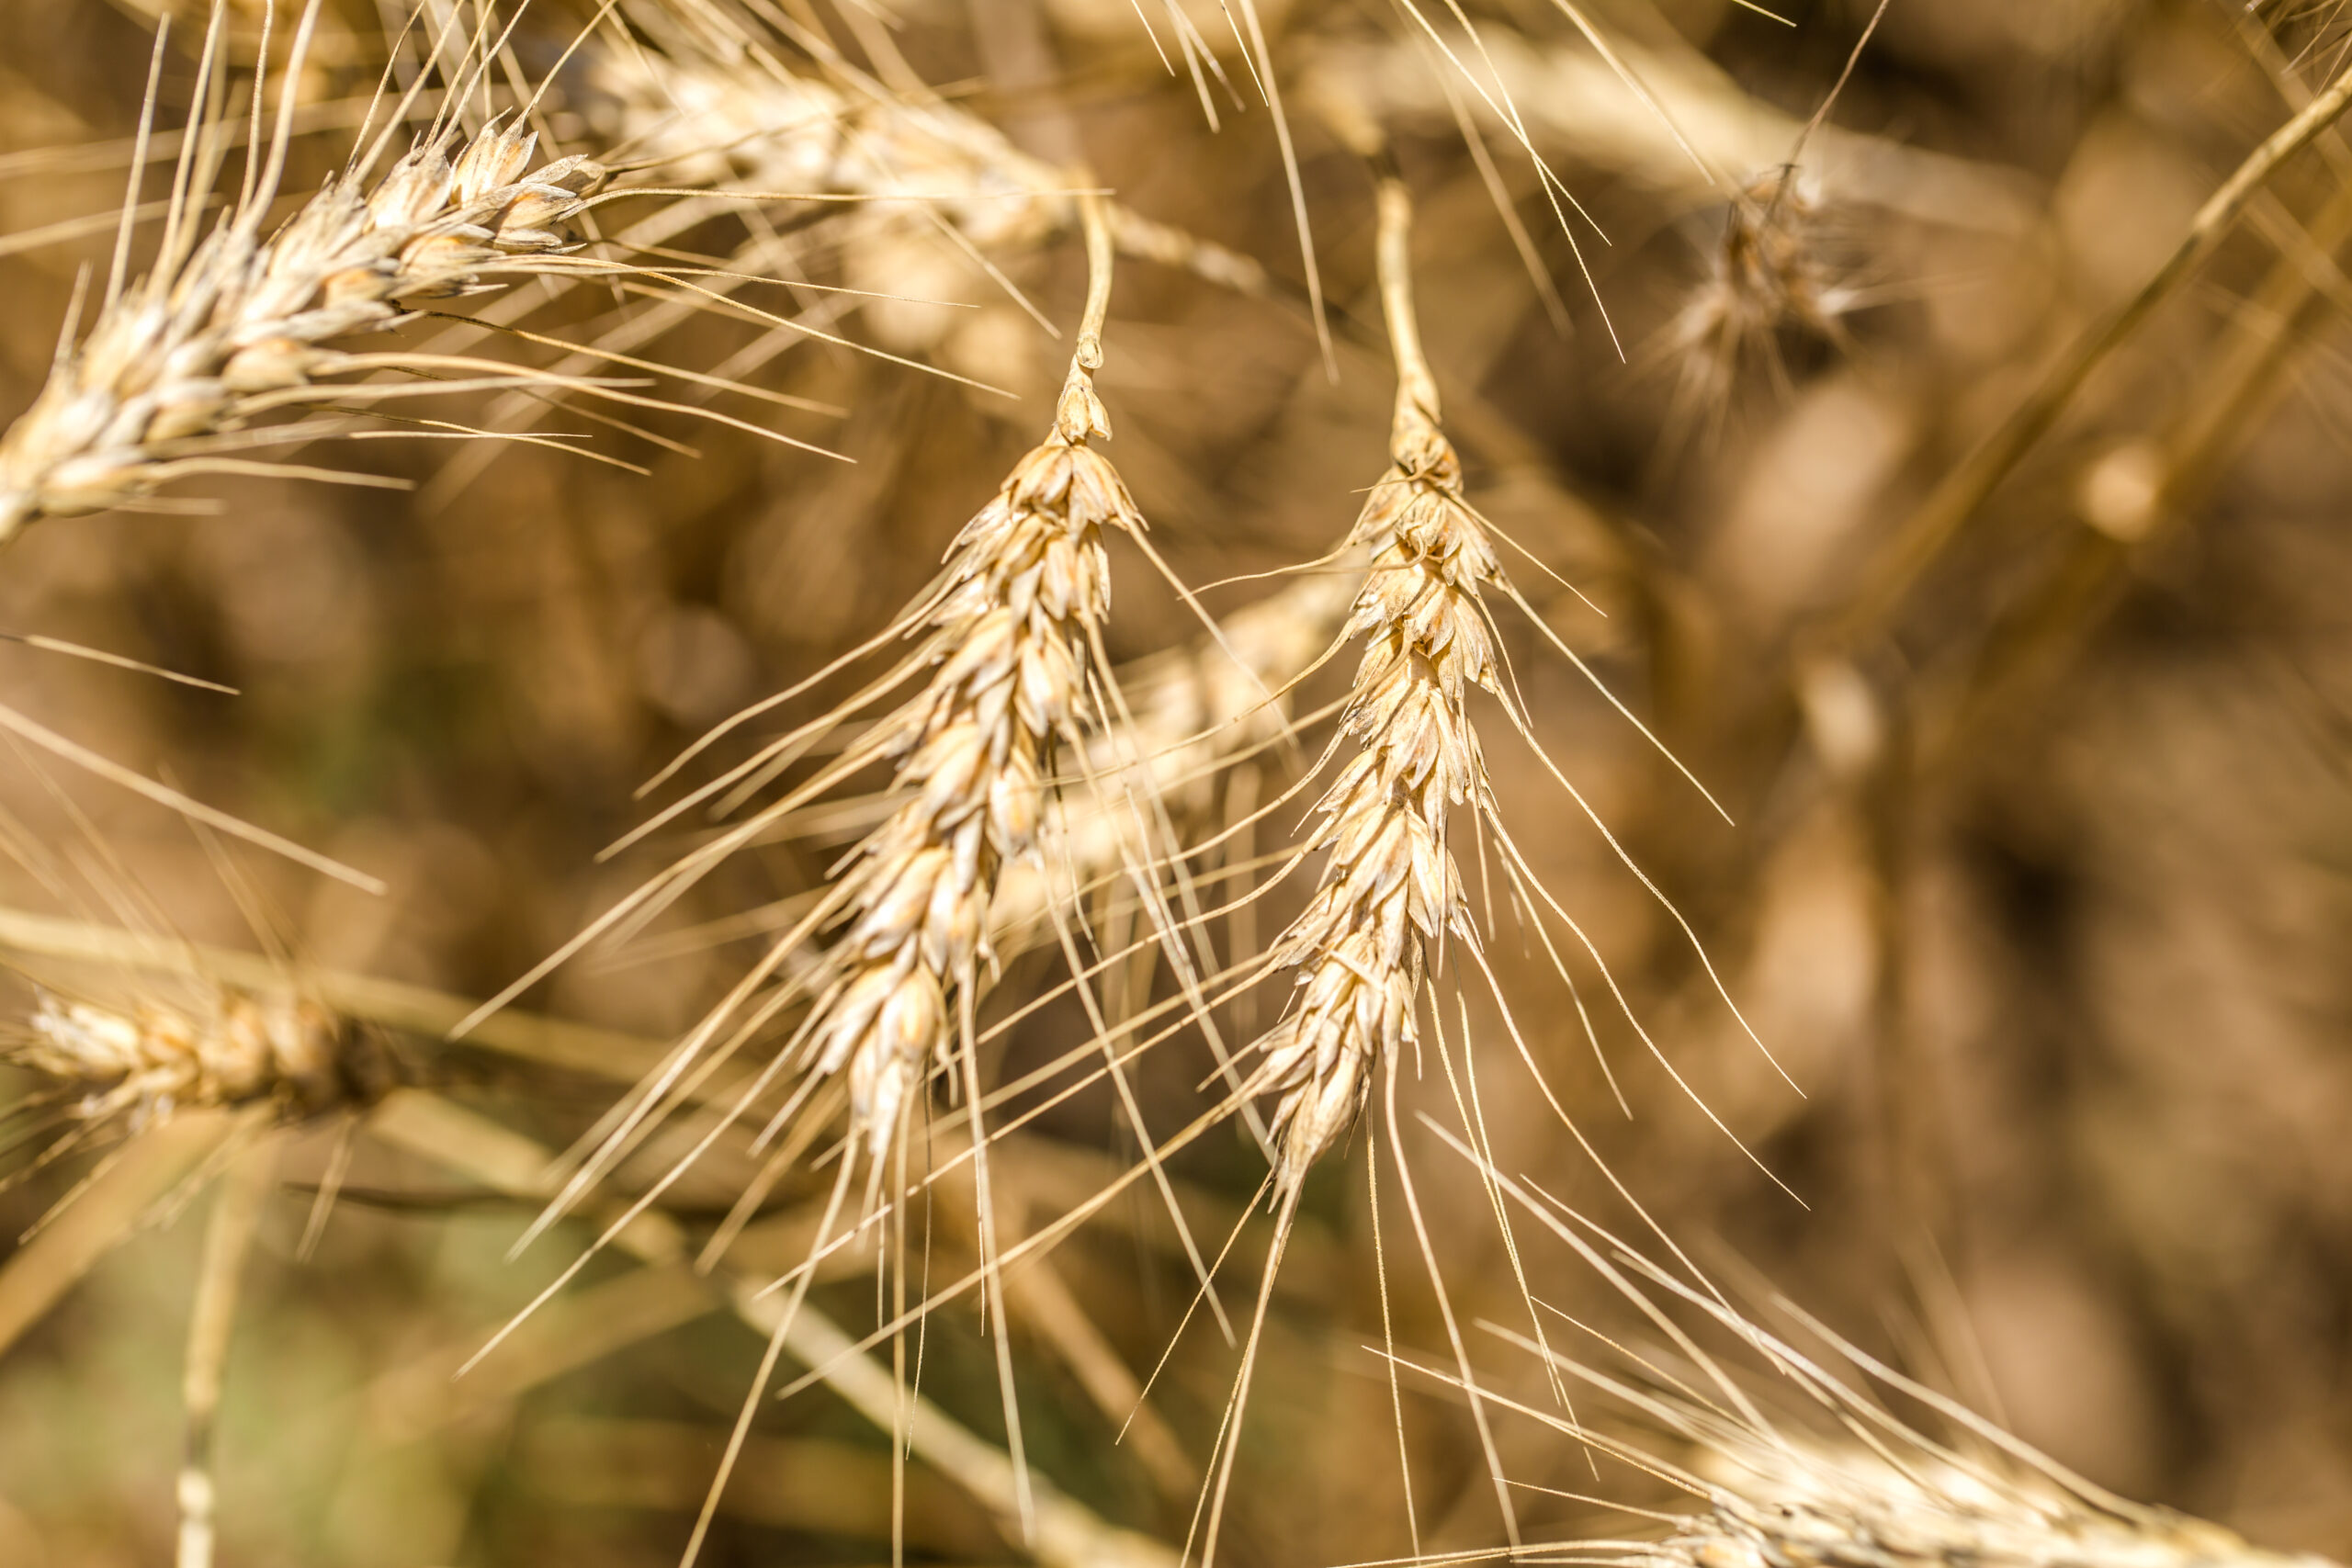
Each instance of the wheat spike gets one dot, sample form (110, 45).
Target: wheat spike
(1771, 273)
(728, 116)
(1833, 1477)
(1800, 1501)
(229, 328)
(1011, 627)
(1007, 644)
(1390, 889)
(233, 1048)
(1028, 591)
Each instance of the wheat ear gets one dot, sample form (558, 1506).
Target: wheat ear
(226, 329)
(235, 1048)
(1009, 633)
(1390, 890)
(1026, 594)
(1792, 1501)
(1832, 1476)
(729, 114)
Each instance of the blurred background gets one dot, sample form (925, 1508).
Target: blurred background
(2039, 886)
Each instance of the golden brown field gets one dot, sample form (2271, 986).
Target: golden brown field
(734, 726)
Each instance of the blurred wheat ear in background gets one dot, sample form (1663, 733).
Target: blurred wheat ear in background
(658, 910)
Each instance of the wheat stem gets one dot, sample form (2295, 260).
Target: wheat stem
(1930, 529)
(228, 1240)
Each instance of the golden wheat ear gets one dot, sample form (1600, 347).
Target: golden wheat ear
(195, 366)
(1389, 894)
(893, 957)
(1782, 270)
(1774, 1449)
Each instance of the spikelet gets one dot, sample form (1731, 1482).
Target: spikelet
(232, 1048)
(1390, 890)
(244, 323)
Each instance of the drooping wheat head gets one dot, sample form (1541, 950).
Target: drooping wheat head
(179, 363)
(1849, 1503)
(1390, 891)
(715, 109)
(1028, 590)
(1808, 1449)
(894, 957)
